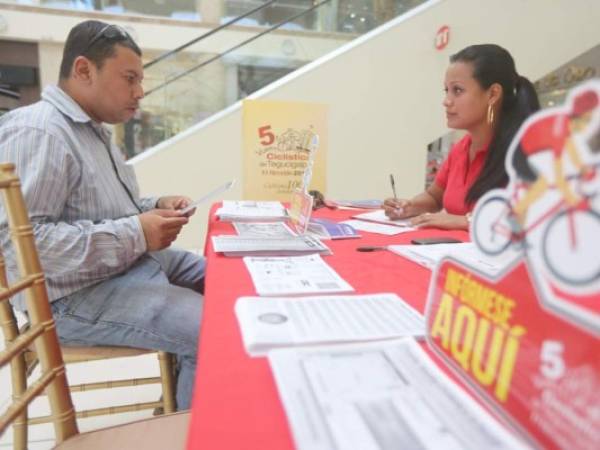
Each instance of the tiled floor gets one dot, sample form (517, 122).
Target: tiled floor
(42, 436)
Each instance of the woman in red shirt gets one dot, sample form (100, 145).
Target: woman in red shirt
(486, 97)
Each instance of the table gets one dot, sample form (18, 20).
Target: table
(236, 405)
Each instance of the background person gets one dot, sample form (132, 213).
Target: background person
(110, 276)
(486, 97)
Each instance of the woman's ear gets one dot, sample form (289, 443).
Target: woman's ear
(495, 93)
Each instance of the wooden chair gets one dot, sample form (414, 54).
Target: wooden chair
(167, 431)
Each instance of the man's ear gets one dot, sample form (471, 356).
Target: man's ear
(83, 69)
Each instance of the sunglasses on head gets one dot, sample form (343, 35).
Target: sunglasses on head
(110, 33)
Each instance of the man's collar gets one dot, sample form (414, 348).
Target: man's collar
(65, 104)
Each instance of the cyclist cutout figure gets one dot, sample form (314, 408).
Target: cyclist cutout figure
(554, 135)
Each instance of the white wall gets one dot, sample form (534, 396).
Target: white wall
(384, 91)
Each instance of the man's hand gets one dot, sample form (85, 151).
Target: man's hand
(441, 220)
(398, 208)
(173, 202)
(161, 227)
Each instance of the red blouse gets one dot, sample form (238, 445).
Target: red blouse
(457, 175)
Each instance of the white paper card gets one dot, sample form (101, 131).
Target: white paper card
(294, 275)
(268, 323)
(211, 194)
(379, 396)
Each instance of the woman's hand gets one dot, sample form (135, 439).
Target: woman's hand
(398, 208)
(441, 220)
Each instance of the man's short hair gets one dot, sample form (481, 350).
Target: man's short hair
(94, 40)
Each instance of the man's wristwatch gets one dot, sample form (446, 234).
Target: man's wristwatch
(469, 218)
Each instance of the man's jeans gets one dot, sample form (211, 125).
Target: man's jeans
(156, 304)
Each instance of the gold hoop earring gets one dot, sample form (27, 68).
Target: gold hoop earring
(490, 115)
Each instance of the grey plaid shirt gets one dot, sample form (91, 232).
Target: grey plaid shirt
(85, 224)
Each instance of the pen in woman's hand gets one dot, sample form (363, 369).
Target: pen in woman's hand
(393, 186)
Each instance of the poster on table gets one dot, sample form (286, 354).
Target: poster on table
(527, 341)
(278, 139)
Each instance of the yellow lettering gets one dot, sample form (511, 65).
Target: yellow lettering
(453, 280)
(463, 333)
(507, 366)
(443, 320)
(485, 375)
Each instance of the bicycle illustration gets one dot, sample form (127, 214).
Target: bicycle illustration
(562, 245)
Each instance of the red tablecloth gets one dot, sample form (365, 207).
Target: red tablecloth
(235, 404)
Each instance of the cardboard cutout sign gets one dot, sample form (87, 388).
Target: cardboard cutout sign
(550, 211)
(276, 136)
(528, 341)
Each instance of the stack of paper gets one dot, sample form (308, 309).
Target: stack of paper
(294, 275)
(251, 211)
(379, 396)
(430, 255)
(233, 245)
(282, 322)
(263, 229)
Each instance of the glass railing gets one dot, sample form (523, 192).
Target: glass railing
(347, 16)
(214, 71)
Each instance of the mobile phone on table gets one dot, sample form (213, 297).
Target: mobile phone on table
(435, 240)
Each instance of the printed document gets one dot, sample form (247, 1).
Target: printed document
(251, 211)
(430, 255)
(294, 275)
(233, 245)
(268, 323)
(386, 395)
(378, 216)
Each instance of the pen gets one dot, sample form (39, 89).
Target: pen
(393, 186)
(370, 248)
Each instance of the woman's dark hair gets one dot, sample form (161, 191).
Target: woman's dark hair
(96, 41)
(493, 64)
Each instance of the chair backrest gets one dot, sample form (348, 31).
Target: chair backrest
(41, 332)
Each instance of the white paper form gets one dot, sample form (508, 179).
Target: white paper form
(379, 396)
(263, 229)
(294, 275)
(430, 255)
(268, 323)
(379, 228)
